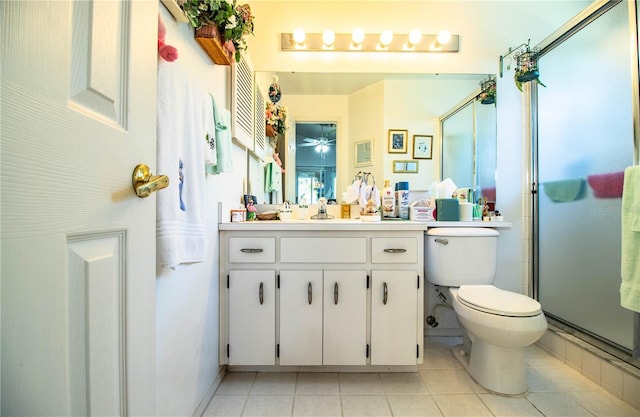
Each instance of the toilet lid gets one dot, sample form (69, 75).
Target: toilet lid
(493, 300)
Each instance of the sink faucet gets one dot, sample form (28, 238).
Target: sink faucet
(322, 210)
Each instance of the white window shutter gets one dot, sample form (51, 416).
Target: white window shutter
(242, 102)
(260, 131)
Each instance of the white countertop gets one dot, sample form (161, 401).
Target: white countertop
(352, 225)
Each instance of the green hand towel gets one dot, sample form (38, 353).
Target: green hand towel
(630, 262)
(563, 191)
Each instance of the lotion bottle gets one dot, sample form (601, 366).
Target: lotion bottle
(388, 201)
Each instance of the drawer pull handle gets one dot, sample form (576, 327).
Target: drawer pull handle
(443, 241)
(310, 293)
(251, 250)
(395, 250)
(385, 293)
(261, 293)
(335, 293)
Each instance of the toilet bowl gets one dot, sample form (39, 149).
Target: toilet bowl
(497, 324)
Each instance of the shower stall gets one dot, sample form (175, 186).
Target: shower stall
(582, 140)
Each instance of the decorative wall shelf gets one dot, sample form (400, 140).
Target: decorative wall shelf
(210, 40)
(175, 10)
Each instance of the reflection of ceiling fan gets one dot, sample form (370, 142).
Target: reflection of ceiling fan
(318, 141)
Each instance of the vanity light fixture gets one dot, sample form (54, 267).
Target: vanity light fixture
(358, 41)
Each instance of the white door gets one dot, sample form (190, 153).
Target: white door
(301, 317)
(78, 246)
(252, 317)
(394, 303)
(345, 318)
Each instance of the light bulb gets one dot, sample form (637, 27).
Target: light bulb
(328, 37)
(444, 36)
(357, 36)
(299, 36)
(415, 36)
(385, 38)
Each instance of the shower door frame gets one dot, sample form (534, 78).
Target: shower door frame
(583, 19)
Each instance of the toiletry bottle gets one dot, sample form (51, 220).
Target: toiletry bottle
(402, 199)
(388, 201)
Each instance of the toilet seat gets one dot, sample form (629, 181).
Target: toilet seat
(492, 300)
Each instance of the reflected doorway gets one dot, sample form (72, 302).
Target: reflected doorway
(315, 162)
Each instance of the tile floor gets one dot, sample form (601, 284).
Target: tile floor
(441, 387)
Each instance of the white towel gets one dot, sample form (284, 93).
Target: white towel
(630, 260)
(182, 128)
(222, 120)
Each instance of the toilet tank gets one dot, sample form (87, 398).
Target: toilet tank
(457, 256)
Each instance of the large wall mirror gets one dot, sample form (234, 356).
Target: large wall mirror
(315, 101)
(468, 154)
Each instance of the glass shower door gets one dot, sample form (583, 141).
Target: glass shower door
(585, 141)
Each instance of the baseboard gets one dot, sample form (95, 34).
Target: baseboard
(429, 331)
(208, 395)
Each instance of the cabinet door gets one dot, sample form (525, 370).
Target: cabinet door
(252, 317)
(345, 318)
(394, 303)
(300, 317)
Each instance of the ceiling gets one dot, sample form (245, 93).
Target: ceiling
(325, 83)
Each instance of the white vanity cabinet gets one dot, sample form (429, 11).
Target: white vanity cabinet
(346, 295)
(252, 317)
(394, 301)
(323, 317)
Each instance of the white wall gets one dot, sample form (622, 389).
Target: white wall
(366, 117)
(187, 299)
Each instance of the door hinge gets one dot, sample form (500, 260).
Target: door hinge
(417, 351)
(278, 350)
(228, 281)
(368, 349)
(367, 281)
(278, 281)
(418, 281)
(534, 188)
(227, 350)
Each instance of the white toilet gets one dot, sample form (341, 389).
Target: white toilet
(497, 324)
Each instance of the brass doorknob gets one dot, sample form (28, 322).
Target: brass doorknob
(144, 183)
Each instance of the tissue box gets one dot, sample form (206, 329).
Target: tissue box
(447, 209)
(421, 214)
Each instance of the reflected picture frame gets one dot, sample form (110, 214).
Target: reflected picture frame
(398, 140)
(364, 153)
(422, 146)
(405, 166)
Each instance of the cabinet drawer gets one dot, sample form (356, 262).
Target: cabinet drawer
(394, 250)
(252, 249)
(323, 250)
